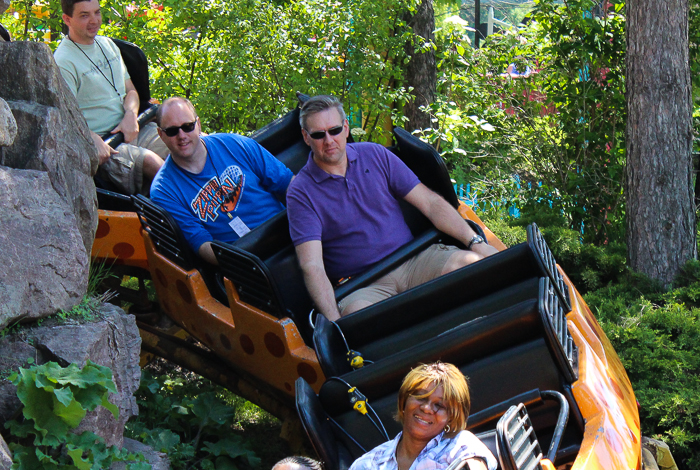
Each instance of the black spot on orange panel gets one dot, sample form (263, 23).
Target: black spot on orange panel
(225, 341)
(247, 344)
(161, 278)
(184, 291)
(102, 229)
(307, 372)
(288, 387)
(274, 344)
(123, 250)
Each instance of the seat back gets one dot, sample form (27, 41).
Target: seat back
(426, 163)
(137, 65)
(165, 234)
(322, 433)
(517, 345)
(429, 309)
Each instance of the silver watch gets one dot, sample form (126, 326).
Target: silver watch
(476, 239)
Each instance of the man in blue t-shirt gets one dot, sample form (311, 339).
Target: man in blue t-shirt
(217, 187)
(344, 215)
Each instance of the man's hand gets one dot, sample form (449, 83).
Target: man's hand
(104, 151)
(129, 126)
(445, 217)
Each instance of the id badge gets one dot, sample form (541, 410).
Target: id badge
(239, 226)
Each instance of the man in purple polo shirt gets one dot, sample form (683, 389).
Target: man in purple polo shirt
(344, 215)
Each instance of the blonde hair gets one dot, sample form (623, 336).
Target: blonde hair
(455, 392)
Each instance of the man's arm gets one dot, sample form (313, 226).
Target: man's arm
(445, 217)
(129, 125)
(310, 256)
(207, 253)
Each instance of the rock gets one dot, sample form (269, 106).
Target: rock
(112, 340)
(43, 256)
(52, 135)
(658, 453)
(8, 125)
(4, 5)
(158, 460)
(5, 455)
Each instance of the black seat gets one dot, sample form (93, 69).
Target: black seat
(391, 325)
(511, 352)
(169, 241)
(137, 65)
(5, 34)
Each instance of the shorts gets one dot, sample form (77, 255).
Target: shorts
(125, 169)
(425, 266)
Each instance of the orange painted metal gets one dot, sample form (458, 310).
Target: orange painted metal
(118, 239)
(250, 340)
(603, 392)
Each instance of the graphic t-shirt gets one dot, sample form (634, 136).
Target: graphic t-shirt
(241, 186)
(100, 103)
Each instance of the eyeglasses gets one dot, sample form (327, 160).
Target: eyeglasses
(187, 127)
(318, 135)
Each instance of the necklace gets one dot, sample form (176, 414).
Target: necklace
(112, 83)
(221, 194)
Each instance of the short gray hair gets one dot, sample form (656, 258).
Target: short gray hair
(318, 104)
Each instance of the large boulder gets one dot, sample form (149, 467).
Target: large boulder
(112, 340)
(52, 136)
(44, 263)
(4, 5)
(8, 125)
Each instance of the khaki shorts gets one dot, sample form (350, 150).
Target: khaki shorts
(125, 169)
(425, 266)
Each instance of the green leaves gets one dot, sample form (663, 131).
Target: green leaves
(55, 399)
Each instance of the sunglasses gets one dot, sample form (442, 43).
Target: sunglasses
(187, 127)
(318, 135)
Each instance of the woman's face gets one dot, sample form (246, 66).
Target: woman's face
(425, 418)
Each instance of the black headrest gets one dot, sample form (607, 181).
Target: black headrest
(319, 429)
(5, 34)
(137, 65)
(426, 163)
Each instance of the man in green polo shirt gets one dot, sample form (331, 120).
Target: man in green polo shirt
(93, 68)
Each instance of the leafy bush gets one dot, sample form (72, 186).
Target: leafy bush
(657, 336)
(190, 421)
(55, 399)
(588, 266)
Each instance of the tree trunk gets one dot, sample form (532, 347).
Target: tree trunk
(421, 72)
(660, 209)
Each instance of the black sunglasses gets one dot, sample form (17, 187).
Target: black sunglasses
(187, 127)
(321, 134)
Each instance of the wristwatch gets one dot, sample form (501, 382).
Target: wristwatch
(476, 239)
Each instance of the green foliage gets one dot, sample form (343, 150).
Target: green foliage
(555, 136)
(191, 422)
(657, 336)
(55, 399)
(589, 266)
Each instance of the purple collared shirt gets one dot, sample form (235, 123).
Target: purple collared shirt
(357, 217)
(438, 454)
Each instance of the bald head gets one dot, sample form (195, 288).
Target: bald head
(171, 101)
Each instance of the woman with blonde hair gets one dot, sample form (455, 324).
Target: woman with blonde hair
(433, 409)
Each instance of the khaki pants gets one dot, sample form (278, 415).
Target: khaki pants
(125, 169)
(424, 267)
